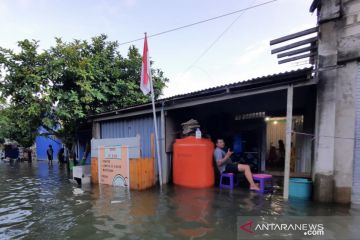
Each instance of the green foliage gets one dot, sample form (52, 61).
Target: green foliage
(14, 123)
(61, 86)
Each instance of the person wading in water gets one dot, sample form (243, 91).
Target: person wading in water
(50, 154)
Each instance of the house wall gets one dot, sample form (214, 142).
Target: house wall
(355, 196)
(338, 52)
(122, 128)
(131, 127)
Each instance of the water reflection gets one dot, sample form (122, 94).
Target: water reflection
(194, 208)
(38, 202)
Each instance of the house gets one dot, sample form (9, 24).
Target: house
(255, 109)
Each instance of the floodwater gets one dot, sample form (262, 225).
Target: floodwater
(38, 202)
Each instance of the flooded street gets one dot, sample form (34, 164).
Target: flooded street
(38, 202)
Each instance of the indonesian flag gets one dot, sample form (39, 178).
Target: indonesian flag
(145, 70)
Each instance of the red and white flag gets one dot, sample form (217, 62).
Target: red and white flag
(145, 70)
(146, 87)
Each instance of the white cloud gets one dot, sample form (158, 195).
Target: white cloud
(247, 67)
(130, 3)
(115, 7)
(24, 3)
(253, 52)
(4, 9)
(302, 27)
(193, 80)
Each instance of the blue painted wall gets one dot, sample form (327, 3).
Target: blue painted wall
(42, 144)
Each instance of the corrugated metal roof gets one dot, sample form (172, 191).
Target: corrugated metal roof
(240, 83)
(263, 81)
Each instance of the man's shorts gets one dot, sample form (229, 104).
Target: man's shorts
(231, 168)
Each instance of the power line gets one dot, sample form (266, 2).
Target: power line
(200, 22)
(213, 43)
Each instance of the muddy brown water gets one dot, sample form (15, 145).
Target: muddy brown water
(39, 202)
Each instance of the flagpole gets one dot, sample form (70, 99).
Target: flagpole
(156, 134)
(156, 130)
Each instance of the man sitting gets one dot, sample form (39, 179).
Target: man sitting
(225, 165)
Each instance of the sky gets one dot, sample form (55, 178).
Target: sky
(239, 43)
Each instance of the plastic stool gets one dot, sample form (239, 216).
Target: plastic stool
(264, 179)
(232, 181)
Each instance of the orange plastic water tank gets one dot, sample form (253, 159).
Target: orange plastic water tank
(193, 162)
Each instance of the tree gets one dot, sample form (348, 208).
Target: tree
(14, 124)
(59, 87)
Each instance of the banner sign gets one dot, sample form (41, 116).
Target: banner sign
(114, 166)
